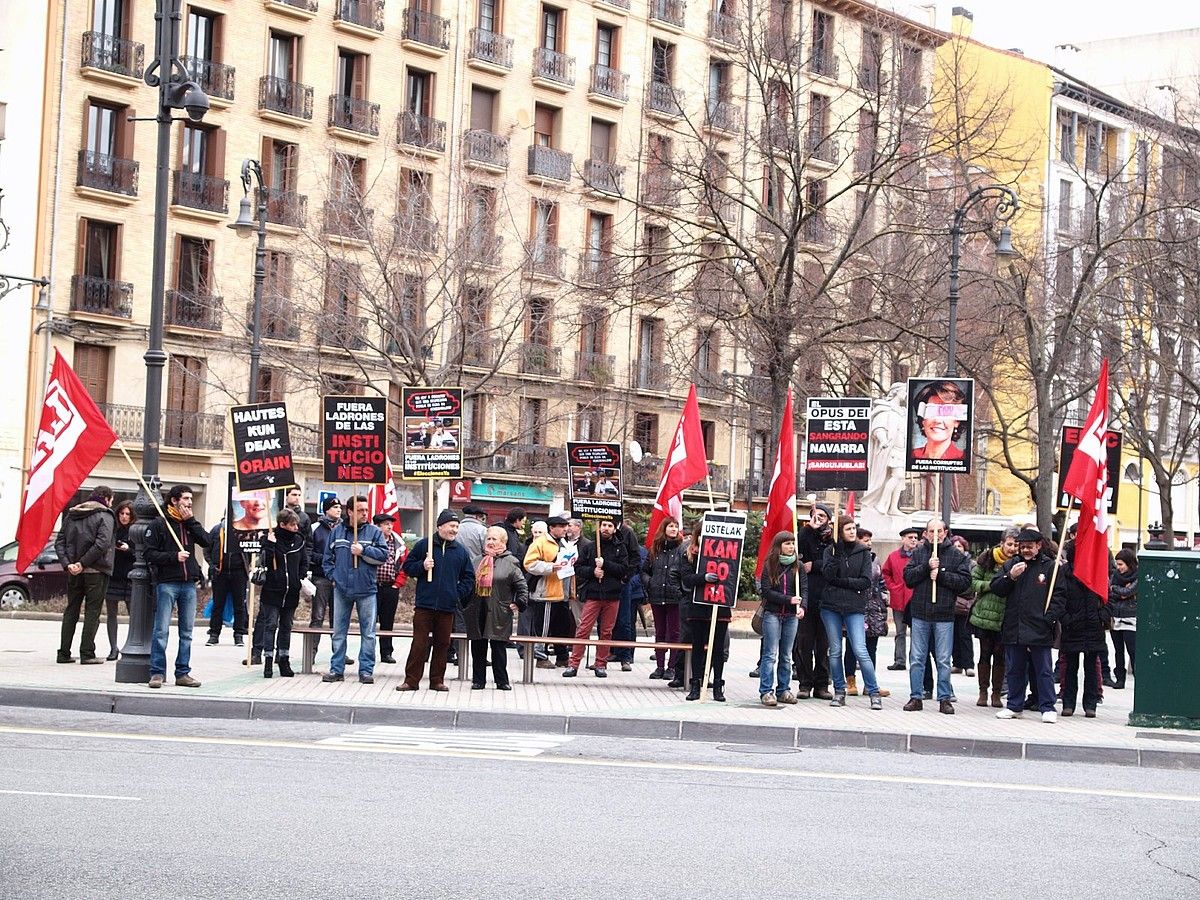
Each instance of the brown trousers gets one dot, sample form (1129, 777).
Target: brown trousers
(429, 625)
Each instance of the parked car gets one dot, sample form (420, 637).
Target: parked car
(45, 577)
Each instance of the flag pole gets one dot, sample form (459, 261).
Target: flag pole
(708, 657)
(1058, 556)
(354, 521)
(153, 495)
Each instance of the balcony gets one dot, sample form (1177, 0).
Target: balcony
(280, 320)
(481, 248)
(708, 384)
(716, 206)
(722, 115)
(715, 290)
(609, 86)
(597, 368)
(284, 207)
(416, 232)
(127, 421)
(424, 134)
(823, 63)
(622, 5)
(777, 135)
(540, 359)
(287, 98)
(424, 32)
(354, 114)
(483, 148)
(815, 229)
(536, 459)
(102, 172)
(864, 159)
(300, 9)
(755, 485)
(543, 259)
(114, 55)
(101, 296)
(668, 12)
(341, 329)
(192, 430)
(664, 101)
(306, 439)
(724, 30)
(185, 309)
(489, 50)
(549, 164)
(348, 219)
(478, 351)
(208, 193)
(553, 69)
(822, 148)
(215, 79)
(605, 177)
(651, 375)
(660, 188)
(361, 14)
(599, 269)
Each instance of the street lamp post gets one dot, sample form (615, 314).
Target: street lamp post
(244, 226)
(1006, 207)
(176, 90)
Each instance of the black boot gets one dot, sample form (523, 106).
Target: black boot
(267, 668)
(719, 691)
(285, 667)
(694, 692)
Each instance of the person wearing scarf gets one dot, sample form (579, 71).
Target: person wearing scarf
(784, 593)
(500, 591)
(846, 567)
(987, 615)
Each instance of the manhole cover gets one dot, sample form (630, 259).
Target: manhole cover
(755, 748)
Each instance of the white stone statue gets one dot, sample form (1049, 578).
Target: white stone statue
(885, 455)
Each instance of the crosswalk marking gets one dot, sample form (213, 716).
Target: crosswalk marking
(418, 738)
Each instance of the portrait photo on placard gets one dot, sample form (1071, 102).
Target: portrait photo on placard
(939, 433)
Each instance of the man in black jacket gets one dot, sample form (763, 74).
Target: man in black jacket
(174, 571)
(1028, 627)
(810, 654)
(600, 572)
(86, 549)
(937, 572)
(227, 572)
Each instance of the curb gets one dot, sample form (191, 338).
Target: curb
(795, 737)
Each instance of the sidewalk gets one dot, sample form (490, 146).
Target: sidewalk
(627, 704)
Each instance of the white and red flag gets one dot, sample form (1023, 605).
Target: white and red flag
(73, 436)
(382, 498)
(781, 497)
(1087, 481)
(686, 465)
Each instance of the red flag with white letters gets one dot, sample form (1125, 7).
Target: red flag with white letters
(781, 496)
(73, 436)
(686, 464)
(382, 498)
(1087, 481)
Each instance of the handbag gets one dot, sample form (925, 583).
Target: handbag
(756, 621)
(259, 575)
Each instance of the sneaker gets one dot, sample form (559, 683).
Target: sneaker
(754, 672)
(602, 672)
(897, 667)
(876, 702)
(838, 700)
(156, 681)
(658, 672)
(914, 705)
(211, 642)
(65, 658)
(238, 641)
(768, 699)
(1007, 713)
(330, 677)
(544, 664)
(970, 673)
(787, 697)
(626, 667)
(186, 681)
(1050, 717)
(570, 672)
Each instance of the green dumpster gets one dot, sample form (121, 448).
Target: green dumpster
(1167, 684)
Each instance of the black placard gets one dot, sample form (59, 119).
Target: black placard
(433, 442)
(262, 446)
(354, 448)
(594, 477)
(722, 541)
(837, 433)
(1066, 452)
(940, 418)
(248, 515)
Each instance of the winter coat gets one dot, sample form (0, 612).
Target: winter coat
(338, 565)
(656, 576)
(685, 575)
(87, 537)
(776, 596)
(286, 561)
(472, 534)
(453, 574)
(1082, 622)
(616, 567)
(122, 559)
(988, 612)
(847, 573)
(162, 554)
(1027, 621)
(877, 605)
(1122, 600)
(223, 555)
(899, 593)
(539, 561)
(306, 529)
(321, 535)
(811, 549)
(633, 580)
(930, 601)
(516, 546)
(489, 618)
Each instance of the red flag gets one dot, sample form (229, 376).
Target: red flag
(381, 498)
(73, 436)
(781, 498)
(1087, 481)
(850, 506)
(686, 464)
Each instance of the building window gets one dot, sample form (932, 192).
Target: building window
(822, 44)
(483, 109)
(93, 365)
(193, 268)
(349, 179)
(489, 16)
(911, 66)
(645, 432)
(272, 385)
(551, 32)
(1064, 205)
(870, 66)
(185, 378)
(418, 87)
(662, 62)
(593, 330)
(533, 421)
(606, 45)
(283, 56)
(544, 225)
(708, 430)
(341, 290)
(538, 314)
(351, 74)
(341, 385)
(588, 425)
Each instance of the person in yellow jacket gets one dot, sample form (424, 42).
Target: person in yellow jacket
(551, 615)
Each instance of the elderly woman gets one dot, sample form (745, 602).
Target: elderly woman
(500, 591)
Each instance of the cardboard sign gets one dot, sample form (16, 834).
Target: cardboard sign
(1066, 452)
(433, 441)
(262, 447)
(248, 515)
(722, 540)
(354, 448)
(940, 416)
(837, 435)
(594, 477)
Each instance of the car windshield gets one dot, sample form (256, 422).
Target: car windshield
(8, 553)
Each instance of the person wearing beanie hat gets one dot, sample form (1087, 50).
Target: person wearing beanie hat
(356, 550)
(447, 515)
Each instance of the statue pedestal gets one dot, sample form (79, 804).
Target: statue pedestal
(884, 528)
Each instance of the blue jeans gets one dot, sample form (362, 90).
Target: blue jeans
(778, 635)
(341, 627)
(181, 594)
(918, 652)
(856, 634)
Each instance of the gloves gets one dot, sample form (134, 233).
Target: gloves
(711, 578)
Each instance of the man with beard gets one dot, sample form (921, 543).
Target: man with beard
(810, 655)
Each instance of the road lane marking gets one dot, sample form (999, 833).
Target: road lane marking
(711, 768)
(501, 743)
(70, 796)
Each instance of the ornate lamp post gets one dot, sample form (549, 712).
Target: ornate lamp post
(244, 226)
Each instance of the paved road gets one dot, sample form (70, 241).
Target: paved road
(112, 805)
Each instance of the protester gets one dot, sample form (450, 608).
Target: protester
(500, 591)
(118, 583)
(1122, 605)
(550, 614)
(574, 544)
(85, 549)
(472, 531)
(962, 654)
(876, 621)
(810, 653)
(987, 617)
(229, 579)
(1028, 627)
(322, 601)
(438, 596)
(699, 618)
(632, 597)
(514, 526)
(783, 592)
(600, 573)
(388, 579)
(663, 594)
(354, 551)
(293, 499)
(285, 558)
(1082, 635)
(937, 572)
(846, 568)
(899, 593)
(174, 572)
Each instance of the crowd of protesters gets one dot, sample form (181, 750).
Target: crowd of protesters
(824, 602)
